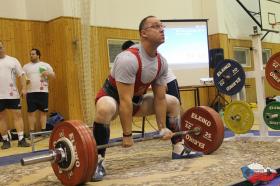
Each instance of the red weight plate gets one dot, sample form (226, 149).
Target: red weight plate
(92, 156)
(272, 71)
(211, 125)
(82, 128)
(91, 146)
(72, 131)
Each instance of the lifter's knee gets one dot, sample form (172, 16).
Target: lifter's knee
(173, 106)
(106, 109)
(104, 115)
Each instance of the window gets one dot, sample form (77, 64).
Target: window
(242, 56)
(114, 48)
(266, 53)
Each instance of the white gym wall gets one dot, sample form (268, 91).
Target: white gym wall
(225, 16)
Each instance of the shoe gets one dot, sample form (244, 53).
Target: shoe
(6, 144)
(100, 171)
(180, 151)
(23, 143)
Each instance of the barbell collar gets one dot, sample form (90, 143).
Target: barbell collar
(56, 155)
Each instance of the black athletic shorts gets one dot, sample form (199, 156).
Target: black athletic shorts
(9, 104)
(37, 101)
(173, 89)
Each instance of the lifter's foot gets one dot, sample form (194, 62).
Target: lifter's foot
(180, 151)
(100, 171)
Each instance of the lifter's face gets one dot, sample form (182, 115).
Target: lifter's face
(153, 31)
(2, 50)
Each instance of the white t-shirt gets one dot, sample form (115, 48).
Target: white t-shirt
(170, 76)
(37, 83)
(10, 68)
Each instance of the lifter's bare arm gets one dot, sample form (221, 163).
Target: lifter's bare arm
(160, 106)
(125, 110)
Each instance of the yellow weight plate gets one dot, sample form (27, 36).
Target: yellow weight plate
(239, 117)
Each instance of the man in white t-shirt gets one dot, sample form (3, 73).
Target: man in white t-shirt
(10, 69)
(37, 73)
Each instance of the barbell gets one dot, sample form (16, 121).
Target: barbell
(63, 145)
(73, 150)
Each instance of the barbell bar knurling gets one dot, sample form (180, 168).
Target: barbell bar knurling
(195, 131)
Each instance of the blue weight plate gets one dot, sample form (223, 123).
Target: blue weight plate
(229, 77)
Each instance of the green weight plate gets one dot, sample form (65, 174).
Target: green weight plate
(271, 115)
(239, 117)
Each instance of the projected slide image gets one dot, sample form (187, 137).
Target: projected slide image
(186, 46)
(186, 50)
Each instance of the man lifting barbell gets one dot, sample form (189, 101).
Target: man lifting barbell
(124, 93)
(73, 150)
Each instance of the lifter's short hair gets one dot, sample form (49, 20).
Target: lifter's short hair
(142, 23)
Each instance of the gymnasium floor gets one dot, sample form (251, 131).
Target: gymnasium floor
(149, 163)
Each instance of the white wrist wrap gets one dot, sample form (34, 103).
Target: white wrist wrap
(164, 131)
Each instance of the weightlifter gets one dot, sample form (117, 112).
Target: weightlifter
(124, 94)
